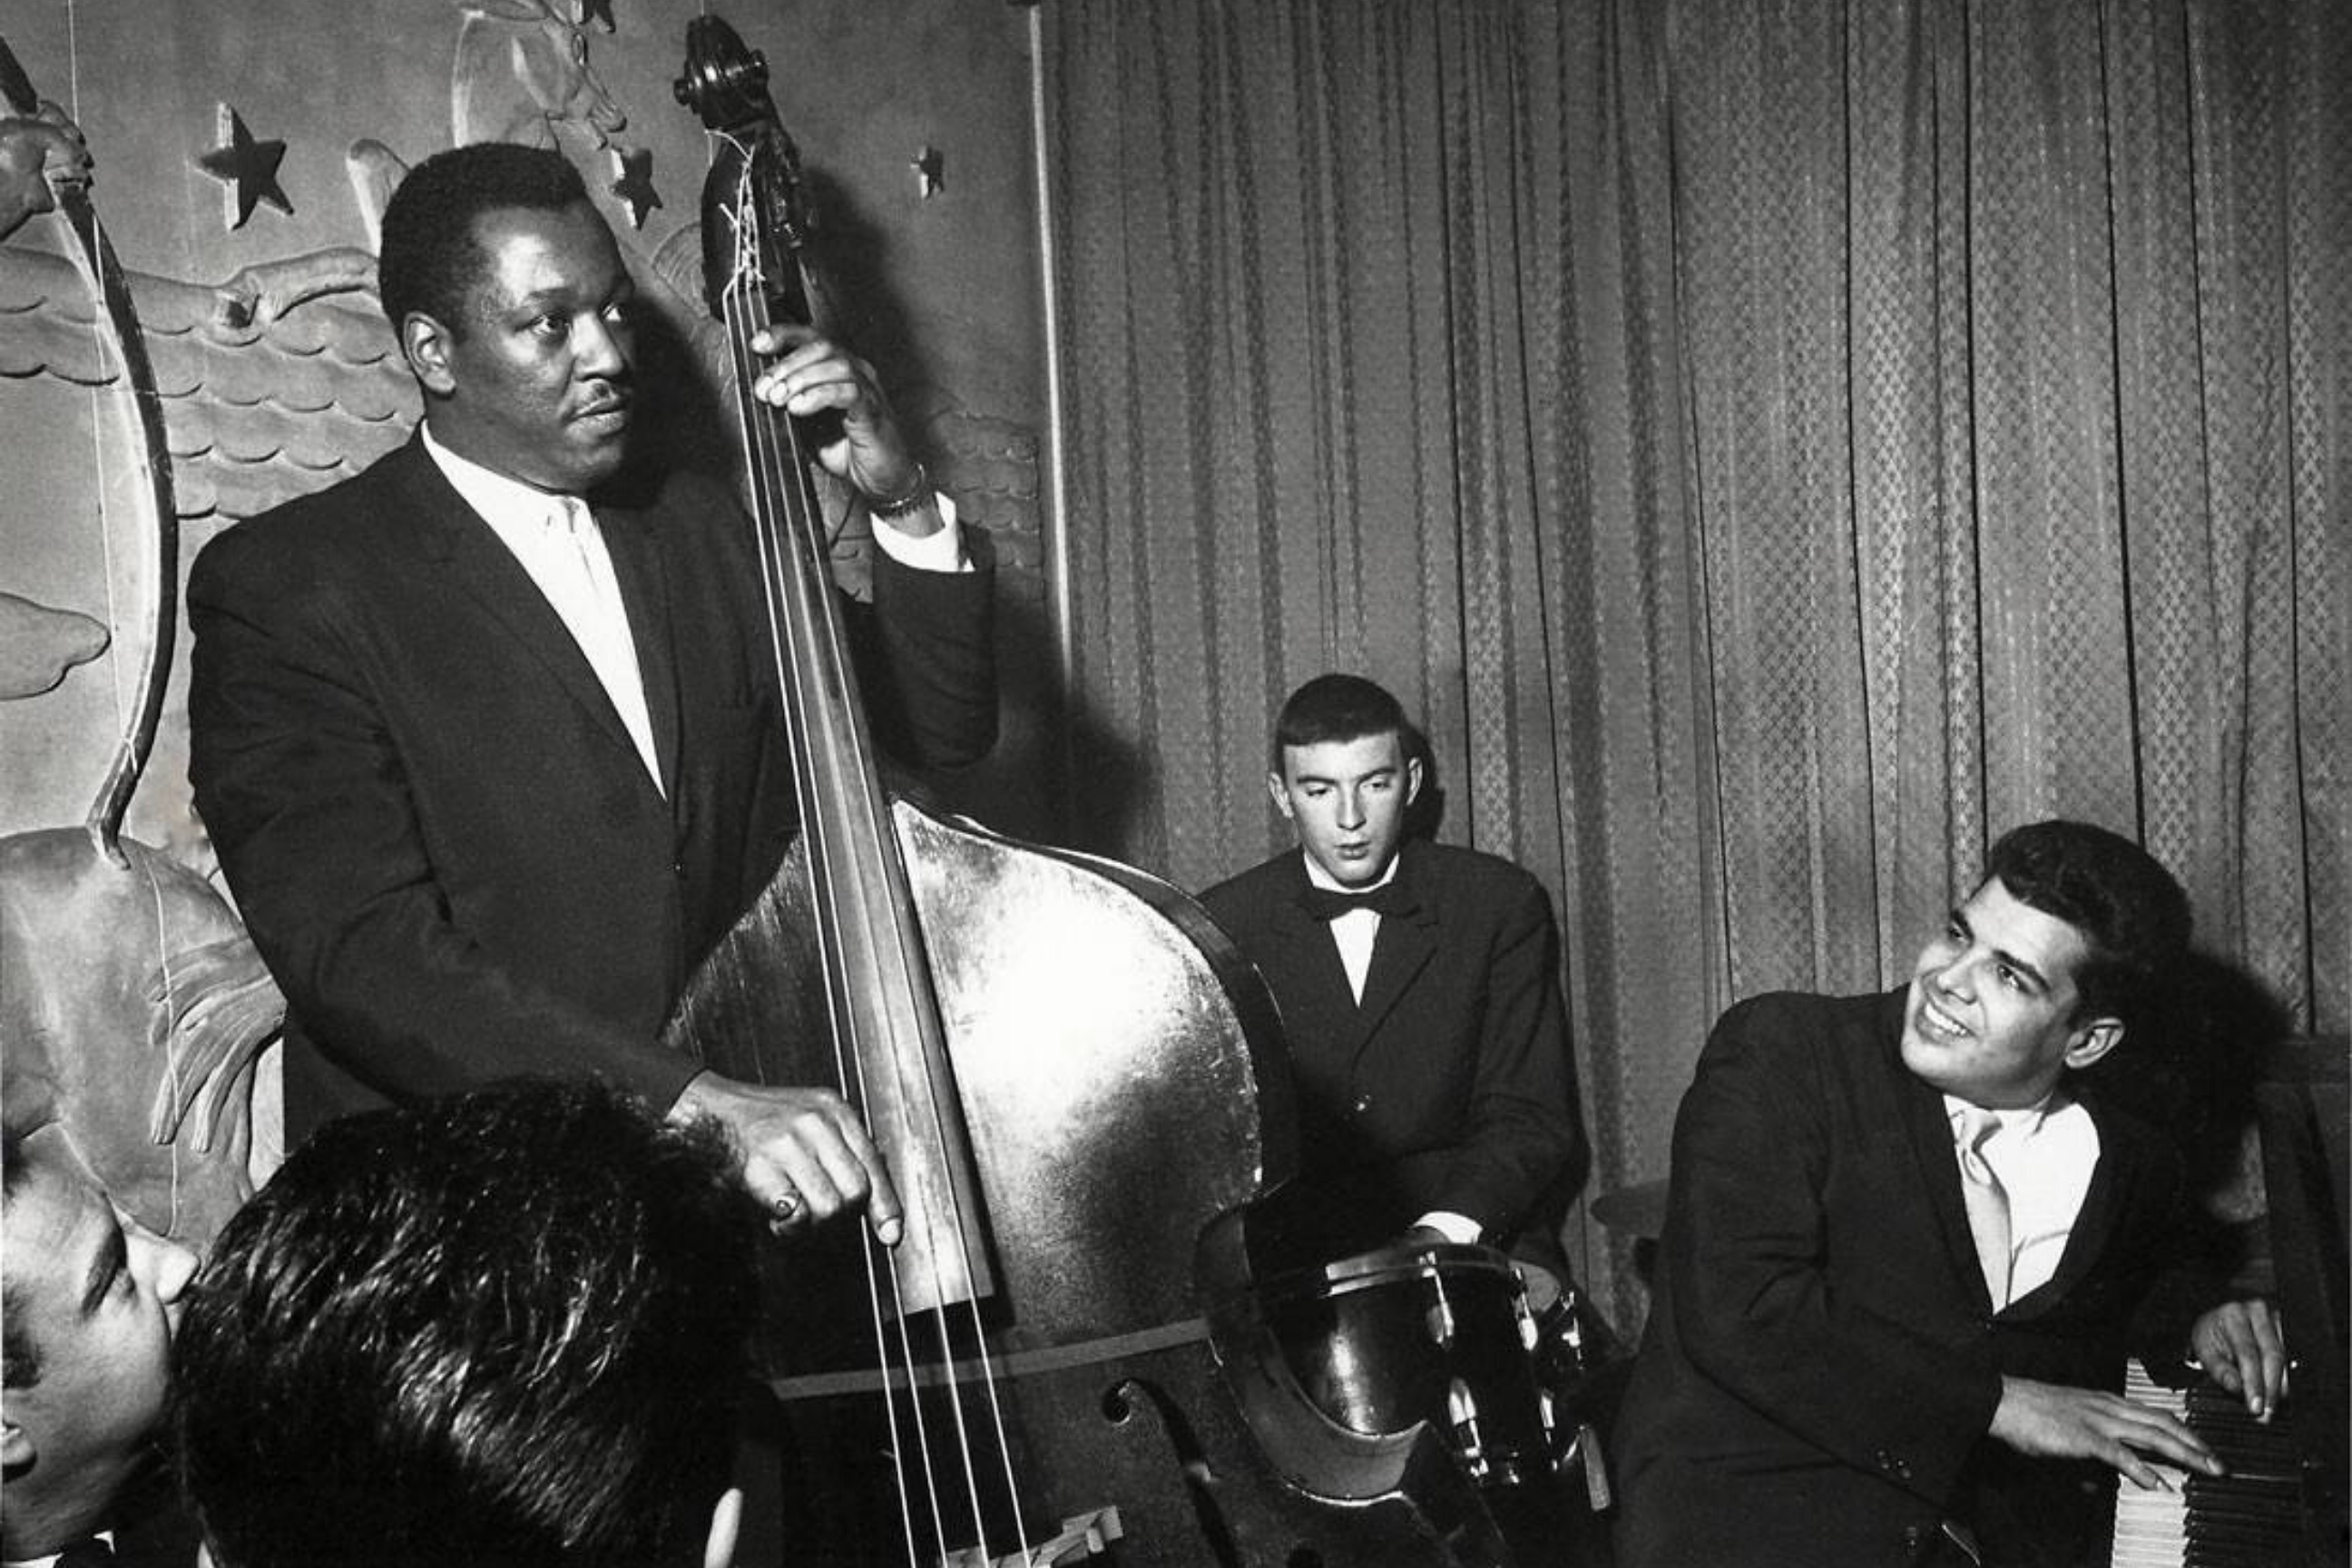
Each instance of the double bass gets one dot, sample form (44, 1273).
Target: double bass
(1077, 1080)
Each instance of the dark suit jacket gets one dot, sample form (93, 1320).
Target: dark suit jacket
(148, 1523)
(1450, 1088)
(153, 1528)
(445, 844)
(1821, 1361)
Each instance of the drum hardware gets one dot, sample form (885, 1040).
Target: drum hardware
(1461, 1414)
(1439, 1334)
(1559, 1342)
(1585, 1450)
(1440, 1317)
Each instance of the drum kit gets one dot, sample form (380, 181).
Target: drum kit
(1443, 1334)
(1446, 1334)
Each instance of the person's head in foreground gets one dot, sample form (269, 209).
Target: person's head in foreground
(507, 1328)
(88, 1297)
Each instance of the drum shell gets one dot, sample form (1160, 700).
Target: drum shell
(1438, 1334)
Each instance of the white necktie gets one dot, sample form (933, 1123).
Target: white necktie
(1987, 1199)
(587, 596)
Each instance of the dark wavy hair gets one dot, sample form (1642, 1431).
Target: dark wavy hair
(1336, 706)
(509, 1327)
(429, 260)
(2133, 914)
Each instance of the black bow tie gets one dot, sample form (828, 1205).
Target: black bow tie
(88, 1552)
(1390, 899)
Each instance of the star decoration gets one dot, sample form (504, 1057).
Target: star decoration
(249, 168)
(927, 164)
(633, 181)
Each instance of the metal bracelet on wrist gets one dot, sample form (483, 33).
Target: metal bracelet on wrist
(918, 496)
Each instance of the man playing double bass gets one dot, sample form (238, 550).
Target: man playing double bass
(489, 735)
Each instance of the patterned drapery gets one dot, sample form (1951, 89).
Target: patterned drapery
(1773, 446)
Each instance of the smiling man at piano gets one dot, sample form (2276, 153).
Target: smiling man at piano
(1908, 1247)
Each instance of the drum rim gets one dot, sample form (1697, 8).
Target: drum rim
(1392, 1264)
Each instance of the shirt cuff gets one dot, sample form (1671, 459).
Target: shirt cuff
(938, 551)
(1460, 1229)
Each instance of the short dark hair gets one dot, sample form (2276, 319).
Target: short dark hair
(1336, 706)
(20, 1358)
(509, 1327)
(429, 259)
(2133, 914)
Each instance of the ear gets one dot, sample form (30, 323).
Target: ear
(1411, 780)
(2094, 1040)
(1280, 792)
(17, 1447)
(425, 344)
(726, 1519)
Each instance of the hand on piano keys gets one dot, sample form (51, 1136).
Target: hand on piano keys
(2238, 1345)
(2057, 1421)
(2256, 1516)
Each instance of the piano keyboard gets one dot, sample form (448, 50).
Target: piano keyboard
(2251, 1518)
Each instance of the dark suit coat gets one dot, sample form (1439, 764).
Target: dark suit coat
(149, 1524)
(1450, 1087)
(153, 1527)
(1821, 1361)
(443, 842)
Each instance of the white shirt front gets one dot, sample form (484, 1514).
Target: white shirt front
(1356, 930)
(2043, 1155)
(557, 539)
(1354, 933)
(557, 542)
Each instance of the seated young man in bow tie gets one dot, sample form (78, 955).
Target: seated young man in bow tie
(88, 1299)
(1419, 988)
(507, 1329)
(1909, 1244)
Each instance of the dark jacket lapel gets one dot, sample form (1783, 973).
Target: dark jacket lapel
(452, 534)
(2112, 1184)
(1404, 948)
(1323, 989)
(634, 539)
(1929, 1131)
(2115, 1181)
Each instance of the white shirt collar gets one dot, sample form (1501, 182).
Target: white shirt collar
(2025, 1122)
(501, 499)
(1319, 877)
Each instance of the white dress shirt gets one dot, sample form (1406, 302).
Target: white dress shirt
(559, 542)
(2043, 1155)
(1355, 933)
(1356, 930)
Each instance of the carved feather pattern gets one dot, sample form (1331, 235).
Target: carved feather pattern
(253, 414)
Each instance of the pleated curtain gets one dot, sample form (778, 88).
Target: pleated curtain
(1772, 446)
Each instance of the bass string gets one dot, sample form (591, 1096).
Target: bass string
(777, 573)
(795, 565)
